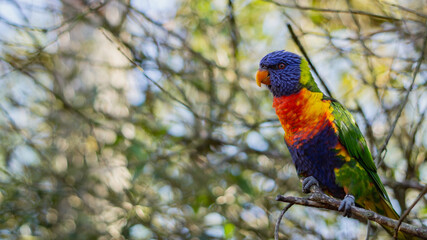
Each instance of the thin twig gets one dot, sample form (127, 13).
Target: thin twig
(378, 158)
(276, 230)
(407, 10)
(403, 185)
(190, 108)
(179, 37)
(119, 48)
(71, 24)
(301, 48)
(14, 126)
(405, 214)
(368, 230)
(358, 12)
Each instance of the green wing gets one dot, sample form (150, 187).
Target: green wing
(352, 139)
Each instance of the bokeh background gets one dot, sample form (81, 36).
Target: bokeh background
(141, 119)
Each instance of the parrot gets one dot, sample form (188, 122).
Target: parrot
(325, 143)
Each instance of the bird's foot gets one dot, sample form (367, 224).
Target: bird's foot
(308, 182)
(346, 205)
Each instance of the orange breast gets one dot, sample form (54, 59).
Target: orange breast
(303, 115)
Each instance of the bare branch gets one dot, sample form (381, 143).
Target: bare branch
(378, 158)
(180, 38)
(320, 200)
(276, 230)
(368, 229)
(301, 48)
(186, 105)
(419, 14)
(405, 214)
(358, 12)
(404, 184)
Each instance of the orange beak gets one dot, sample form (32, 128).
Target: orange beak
(262, 76)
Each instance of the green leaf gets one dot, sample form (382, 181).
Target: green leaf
(229, 230)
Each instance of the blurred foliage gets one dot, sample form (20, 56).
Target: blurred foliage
(91, 147)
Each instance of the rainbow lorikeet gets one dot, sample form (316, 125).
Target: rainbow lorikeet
(323, 139)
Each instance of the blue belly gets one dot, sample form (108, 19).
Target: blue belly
(318, 157)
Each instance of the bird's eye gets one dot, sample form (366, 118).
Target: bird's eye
(281, 66)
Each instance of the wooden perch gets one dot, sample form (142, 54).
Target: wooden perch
(320, 200)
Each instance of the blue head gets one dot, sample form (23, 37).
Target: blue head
(281, 72)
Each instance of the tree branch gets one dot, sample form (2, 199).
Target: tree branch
(358, 12)
(276, 230)
(403, 185)
(378, 158)
(301, 48)
(320, 200)
(406, 213)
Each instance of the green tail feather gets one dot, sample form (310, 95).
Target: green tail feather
(389, 212)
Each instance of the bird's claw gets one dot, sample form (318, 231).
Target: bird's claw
(346, 205)
(308, 182)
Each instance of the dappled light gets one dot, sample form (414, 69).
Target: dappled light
(142, 119)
